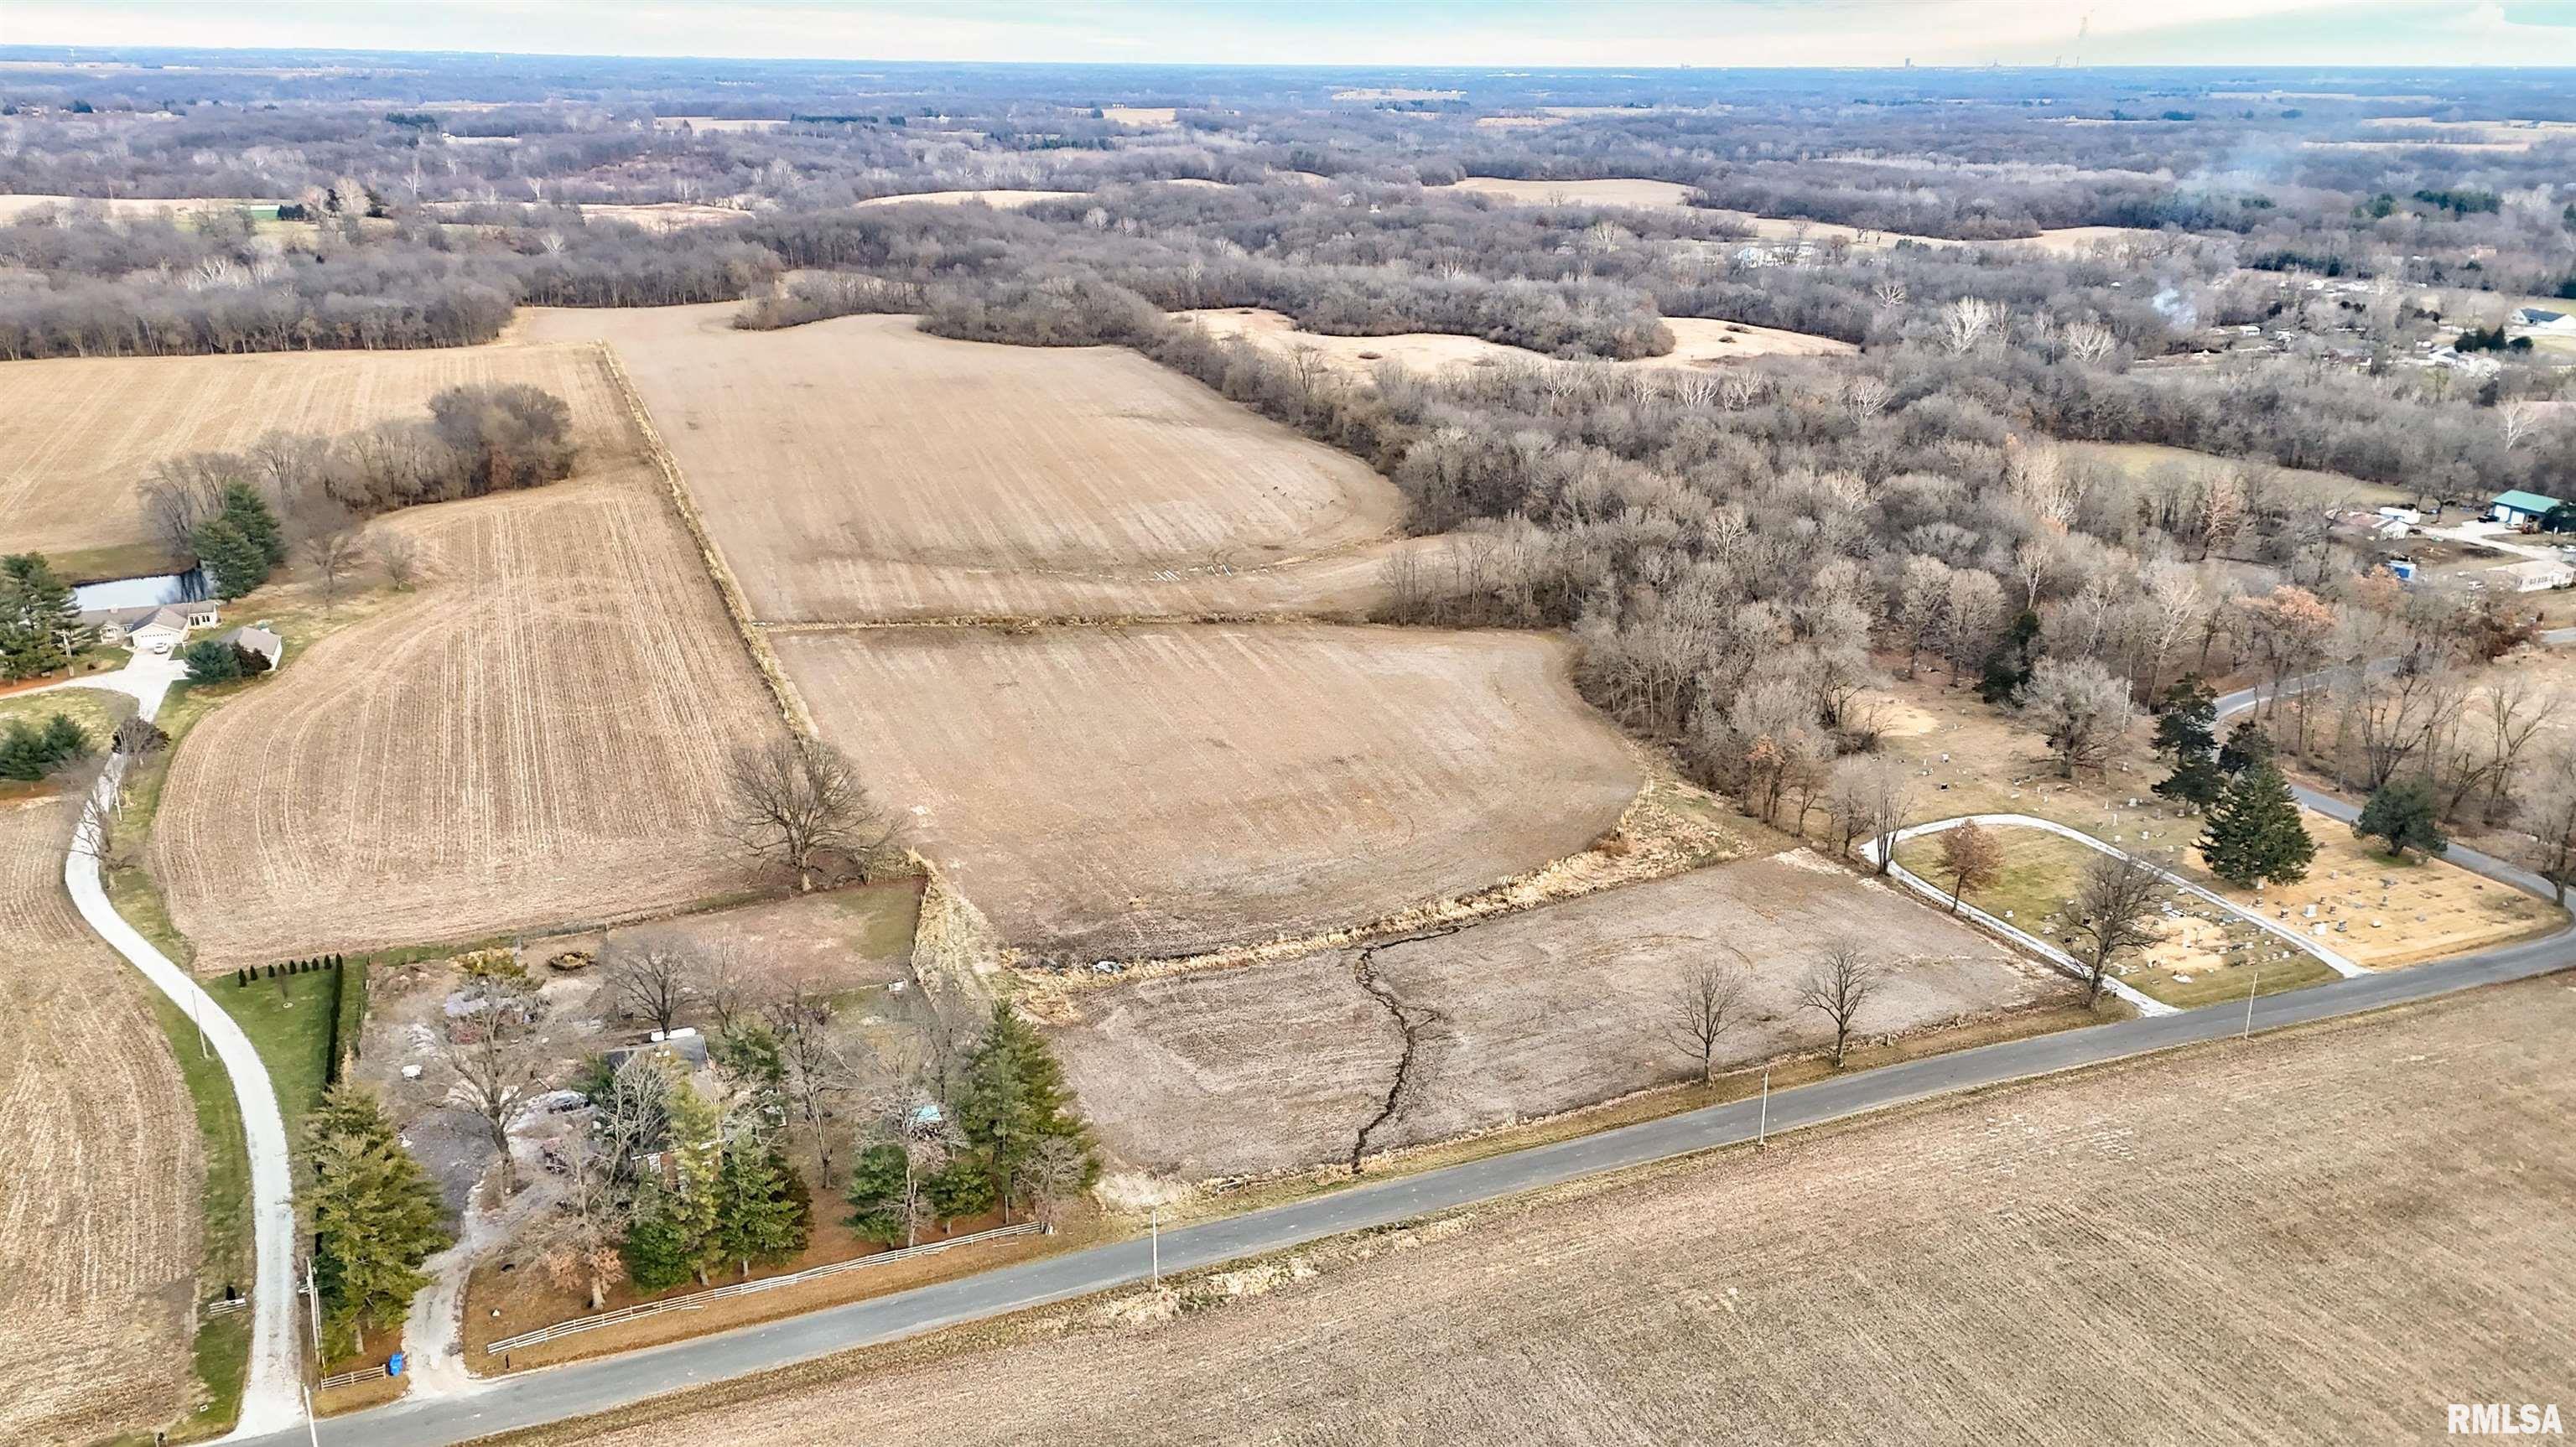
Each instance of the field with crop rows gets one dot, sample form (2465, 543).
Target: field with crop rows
(1163, 790)
(99, 1182)
(79, 435)
(858, 469)
(2317, 1237)
(533, 741)
(1275, 1066)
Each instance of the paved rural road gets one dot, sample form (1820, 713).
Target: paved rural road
(584, 1387)
(271, 1392)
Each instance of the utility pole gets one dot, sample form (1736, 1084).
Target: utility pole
(1762, 1131)
(314, 1294)
(1154, 1219)
(2250, 984)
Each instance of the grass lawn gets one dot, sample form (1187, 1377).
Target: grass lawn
(288, 1019)
(96, 710)
(222, 1351)
(2041, 873)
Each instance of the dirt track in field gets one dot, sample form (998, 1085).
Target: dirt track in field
(1528, 1015)
(533, 741)
(2321, 1237)
(858, 470)
(79, 436)
(1163, 790)
(99, 1182)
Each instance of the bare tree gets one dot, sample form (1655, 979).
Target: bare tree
(2111, 907)
(331, 555)
(1966, 322)
(2546, 807)
(580, 1251)
(1054, 1169)
(1972, 857)
(1703, 1008)
(1873, 795)
(1840, 982)
(818, 1074)
(2080, 708)
(796, 798)
(398, 554)
(494, 1061)
(654, 977)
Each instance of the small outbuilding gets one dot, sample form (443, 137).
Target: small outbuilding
(256, 640)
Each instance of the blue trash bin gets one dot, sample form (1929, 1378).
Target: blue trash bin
(394, 1365)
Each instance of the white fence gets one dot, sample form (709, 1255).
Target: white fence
(349, 1379)
(697, 1299)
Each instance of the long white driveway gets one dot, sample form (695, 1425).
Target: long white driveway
(271, 1398)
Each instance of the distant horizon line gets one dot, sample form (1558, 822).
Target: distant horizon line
(20, 50)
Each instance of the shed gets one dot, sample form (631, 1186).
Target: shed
(255, 639)
(2517, 508)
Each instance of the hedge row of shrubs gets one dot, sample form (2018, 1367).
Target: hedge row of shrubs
(348, 1002)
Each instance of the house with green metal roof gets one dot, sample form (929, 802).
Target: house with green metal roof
(2520, 509)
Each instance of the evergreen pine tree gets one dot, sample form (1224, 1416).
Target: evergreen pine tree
(656, 1249)
(2254, 833)
(376, 1216)
(2246, 746)
(39, 623)
(876, 1194)
(2196, 781)
(237, 562)
(1013, 1097)
(697, 1160)
(2188, 725)
(2402, 814)
(2007, 668)
(758, 1217)
(246, 511)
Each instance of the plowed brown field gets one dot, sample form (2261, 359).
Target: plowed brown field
(99, 1179)
(1164, 790)
(534, 741)
(858, 469)
(2320, 1237)
(1277, 1066)
(79, 435)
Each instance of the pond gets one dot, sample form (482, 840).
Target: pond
(188, 587)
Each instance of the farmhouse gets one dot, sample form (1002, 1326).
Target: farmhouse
(2545, 322)
(156, 625)
(2537, 575)
(2517, 508)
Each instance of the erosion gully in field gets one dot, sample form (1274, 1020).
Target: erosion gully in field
(1526, 1015)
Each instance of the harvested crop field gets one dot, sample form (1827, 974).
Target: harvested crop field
(1165, 790)
(99, 1187)
(1617, 191)
(2322, 1236)
(1277, 1066)
(858, 469)
(1698, 343)
(534, 741)
(79, 435)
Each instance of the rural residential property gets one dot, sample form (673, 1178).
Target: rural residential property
(1757, 721)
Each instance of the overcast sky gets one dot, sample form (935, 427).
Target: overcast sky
(1365, 32)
